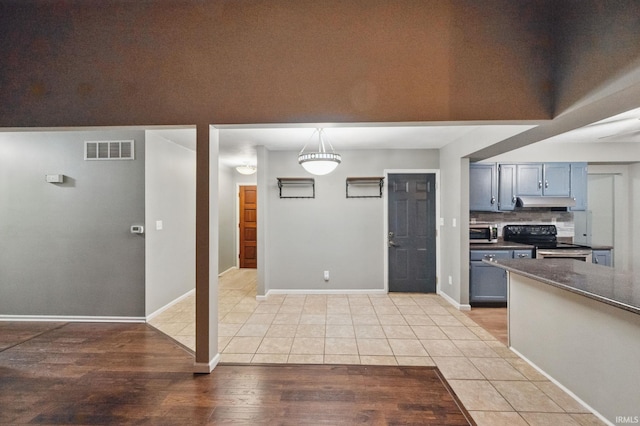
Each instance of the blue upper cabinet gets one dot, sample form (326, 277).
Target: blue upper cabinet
(483, 187)
(557, 179)
(495, 187)
(579, 186)
(506, 187)
(529, 180)
(549, 179)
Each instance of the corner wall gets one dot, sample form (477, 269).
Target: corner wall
(170, 177)
(66, 249)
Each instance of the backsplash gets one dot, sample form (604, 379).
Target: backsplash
(563, 220)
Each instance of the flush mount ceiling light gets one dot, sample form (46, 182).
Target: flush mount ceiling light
(246, 169)
(320, 162)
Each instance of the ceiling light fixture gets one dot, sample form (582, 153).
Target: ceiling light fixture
(246, 169)
(320, 162)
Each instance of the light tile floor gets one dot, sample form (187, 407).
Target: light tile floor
(493, 383)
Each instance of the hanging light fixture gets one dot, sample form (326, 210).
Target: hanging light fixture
(320, 162)
(246, 169)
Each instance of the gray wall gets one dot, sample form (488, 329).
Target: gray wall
(66, 249)
(228, 210)
(330, 232)
(634, 196)
(227, 222)
(170, 193)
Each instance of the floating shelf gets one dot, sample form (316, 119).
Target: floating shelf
(297, 187)
(373, 187)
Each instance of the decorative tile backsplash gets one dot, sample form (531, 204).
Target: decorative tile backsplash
(562, 219)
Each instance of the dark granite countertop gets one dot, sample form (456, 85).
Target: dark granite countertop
(500, 245)
(597, 247)
(619, 289)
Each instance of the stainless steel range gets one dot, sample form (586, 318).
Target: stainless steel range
(545, 240)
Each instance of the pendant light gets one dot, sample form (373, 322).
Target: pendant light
(320, 162)
(246, 169)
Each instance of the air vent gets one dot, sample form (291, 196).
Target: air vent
(108, 150)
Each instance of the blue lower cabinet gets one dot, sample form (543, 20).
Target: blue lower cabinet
(488, 284)
(601, 257)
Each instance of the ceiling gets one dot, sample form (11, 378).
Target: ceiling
(238, 142)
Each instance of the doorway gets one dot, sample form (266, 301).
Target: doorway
(248, 226)
(411, 237)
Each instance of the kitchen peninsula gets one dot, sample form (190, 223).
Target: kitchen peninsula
(580, 324)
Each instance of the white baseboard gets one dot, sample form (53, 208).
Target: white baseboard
(170, 304)
(65, 318)
(457, 305)
(317, 291)
(554, 381)
(206, 367)
(224, 272)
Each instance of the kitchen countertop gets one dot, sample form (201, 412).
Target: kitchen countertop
(500, 245)
(619, 289)
(597, 247)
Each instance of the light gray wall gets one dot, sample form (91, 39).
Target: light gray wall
(170, 191)
(66, 249)
(634, 196)
(227, 225)
(454, 192)
(230, 179)
(330, 232)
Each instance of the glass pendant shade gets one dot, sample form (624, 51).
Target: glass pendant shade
(246, 169)
(320, 162)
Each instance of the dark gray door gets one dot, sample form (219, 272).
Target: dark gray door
(412, 232)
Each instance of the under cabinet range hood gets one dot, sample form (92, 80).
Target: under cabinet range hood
(547, 202)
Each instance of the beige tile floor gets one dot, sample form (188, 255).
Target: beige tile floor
(496, 386)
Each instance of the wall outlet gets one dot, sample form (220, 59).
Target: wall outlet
(159, 225)
(450, 280)
(326, 275)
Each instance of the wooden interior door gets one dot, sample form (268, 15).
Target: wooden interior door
(248, 226)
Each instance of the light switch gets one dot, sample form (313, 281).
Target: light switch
(158, 225)
(453, 222)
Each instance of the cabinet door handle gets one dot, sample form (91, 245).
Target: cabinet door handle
(595, 260)
(539, 184)
(546, 183)
(514, 200)
(522, 255)
(493, 200)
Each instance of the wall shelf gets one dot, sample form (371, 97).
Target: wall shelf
(367, 187)
(297, 187)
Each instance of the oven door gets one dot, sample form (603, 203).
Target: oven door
(583, 255)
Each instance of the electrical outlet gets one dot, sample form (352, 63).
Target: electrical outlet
(326, 275)
(450, 280)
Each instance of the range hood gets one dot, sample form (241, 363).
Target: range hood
(548, 202)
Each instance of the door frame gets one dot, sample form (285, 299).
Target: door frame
(237, 217)
(385, 225)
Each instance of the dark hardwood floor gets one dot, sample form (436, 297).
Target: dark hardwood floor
(84, 373)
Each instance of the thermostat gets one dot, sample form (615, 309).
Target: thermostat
(54, 178)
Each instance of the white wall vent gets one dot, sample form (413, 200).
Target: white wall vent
(108, 150)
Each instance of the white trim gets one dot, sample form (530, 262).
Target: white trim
(457, 305)
(230, 269)
(571, 394)
(206, 368)
(315, 291)
(170, 304)
(65, 318)
(385, 224)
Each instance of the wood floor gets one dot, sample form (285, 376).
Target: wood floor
(494, 320)
(83, 373)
